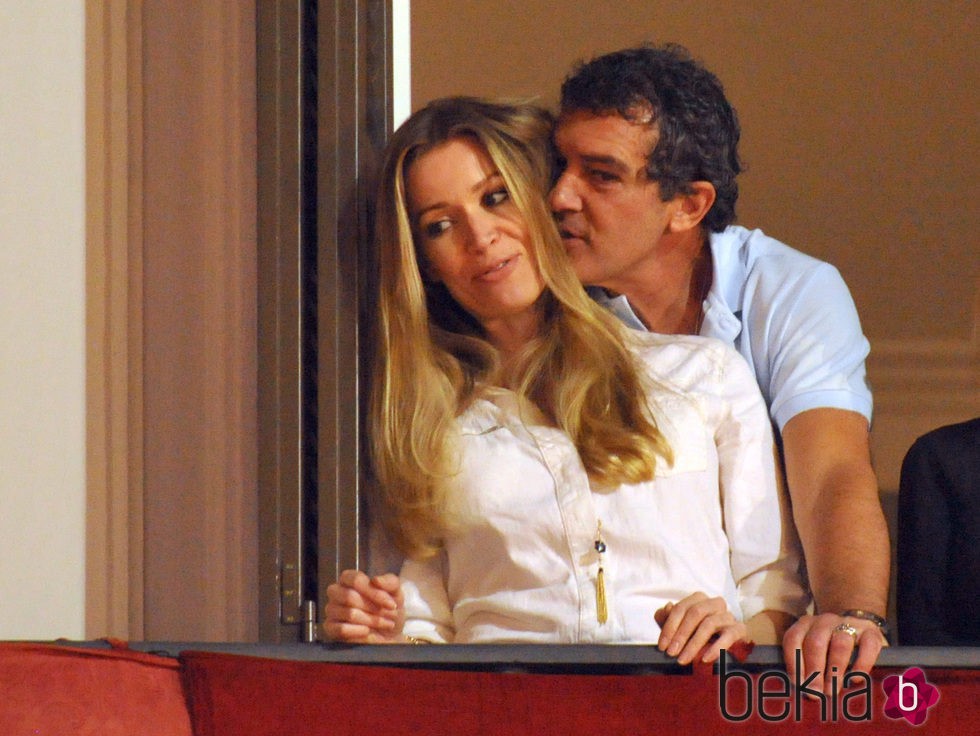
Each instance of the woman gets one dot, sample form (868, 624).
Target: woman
(548, 476)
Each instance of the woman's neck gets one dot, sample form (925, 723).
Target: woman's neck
(509, 335)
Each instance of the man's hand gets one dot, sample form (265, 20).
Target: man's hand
(365, 610)
(827, 643)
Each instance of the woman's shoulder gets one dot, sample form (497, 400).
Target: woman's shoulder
(705, 369)
(676, 356)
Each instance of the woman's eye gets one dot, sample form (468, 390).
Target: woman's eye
(435, 229)
(492, 199)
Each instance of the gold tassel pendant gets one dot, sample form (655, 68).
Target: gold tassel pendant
(601, 609)
(601, 612)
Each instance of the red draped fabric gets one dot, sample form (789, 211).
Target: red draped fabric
(66, 691)
(234, 695)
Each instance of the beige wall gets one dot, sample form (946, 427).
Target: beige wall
(859, 130)
(100, 519)
(42, 320)
(171, 536)
(199, 321)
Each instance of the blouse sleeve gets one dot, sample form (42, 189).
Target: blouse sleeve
(765, 549)
(428, 614)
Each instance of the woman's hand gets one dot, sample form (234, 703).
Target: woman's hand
(365, 610)
(689, 626)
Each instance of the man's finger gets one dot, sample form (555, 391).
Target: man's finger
(839, 652)
(793, 643)
(869, 647)
(815, 648)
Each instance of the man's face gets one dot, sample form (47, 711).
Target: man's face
(610, 214)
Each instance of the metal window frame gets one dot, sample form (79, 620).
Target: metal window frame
(312, 351)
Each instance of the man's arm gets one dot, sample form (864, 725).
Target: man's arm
(845, 538)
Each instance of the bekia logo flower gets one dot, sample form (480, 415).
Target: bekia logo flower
(909, 696)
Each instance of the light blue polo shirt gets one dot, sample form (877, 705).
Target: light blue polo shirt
(791, 317)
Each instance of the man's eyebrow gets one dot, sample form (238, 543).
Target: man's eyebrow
(610, 161)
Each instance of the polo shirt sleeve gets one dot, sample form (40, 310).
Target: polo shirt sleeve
(806, 326)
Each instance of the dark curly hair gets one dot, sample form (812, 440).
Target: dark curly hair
(697, 126)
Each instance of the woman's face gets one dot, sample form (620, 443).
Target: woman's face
(473, 239)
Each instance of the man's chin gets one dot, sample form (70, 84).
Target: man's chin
(577, 249)
(583, 266)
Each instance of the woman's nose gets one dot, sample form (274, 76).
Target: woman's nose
(563, 196)
(484, 231)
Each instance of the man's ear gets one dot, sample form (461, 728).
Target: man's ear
(691, 207)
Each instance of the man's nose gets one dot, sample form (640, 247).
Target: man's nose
(563, 196)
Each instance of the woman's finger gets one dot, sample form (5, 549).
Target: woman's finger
(707, 628)
(336, 612)
(366, 587)
(726, 638)
(677, 628)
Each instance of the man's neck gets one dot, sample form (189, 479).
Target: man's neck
(668, 295)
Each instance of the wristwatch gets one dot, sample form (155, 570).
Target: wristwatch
(874, 618)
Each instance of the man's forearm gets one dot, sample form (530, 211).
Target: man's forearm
(845, 540)
(837, 512)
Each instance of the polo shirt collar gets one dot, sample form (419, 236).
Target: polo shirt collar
(726, 286)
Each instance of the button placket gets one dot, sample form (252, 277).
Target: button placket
(579, 520)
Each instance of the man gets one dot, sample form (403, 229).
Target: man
(648, 152)
(939, 538)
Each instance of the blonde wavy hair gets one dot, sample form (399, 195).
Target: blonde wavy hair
(432, 358)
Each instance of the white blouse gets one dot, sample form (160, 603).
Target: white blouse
(521, 563)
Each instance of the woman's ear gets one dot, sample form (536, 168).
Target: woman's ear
(692, 206)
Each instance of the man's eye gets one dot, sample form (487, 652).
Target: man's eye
(435, 229)
(603, 176)
(492, 199)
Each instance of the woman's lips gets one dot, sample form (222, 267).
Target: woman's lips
(499, 270)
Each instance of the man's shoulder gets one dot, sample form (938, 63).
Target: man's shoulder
(957, 439)
(751, 265)
(753, 251)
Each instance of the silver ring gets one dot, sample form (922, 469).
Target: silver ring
(846, 628)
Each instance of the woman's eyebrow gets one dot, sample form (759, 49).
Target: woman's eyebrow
(473, 189)
(489, 178)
